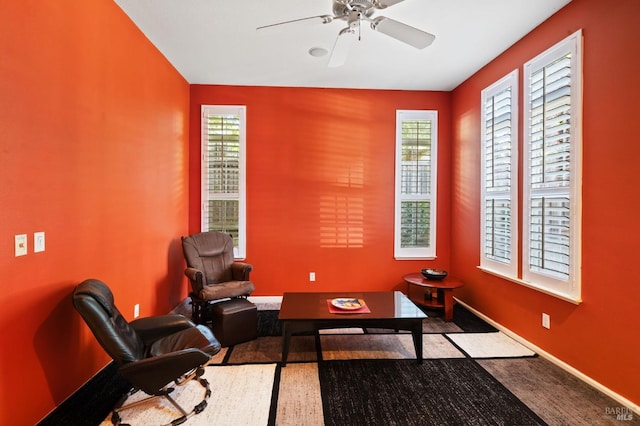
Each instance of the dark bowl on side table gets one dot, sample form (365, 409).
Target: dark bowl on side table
(434, 274)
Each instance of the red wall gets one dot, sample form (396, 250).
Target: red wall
(599, 337)
(314, 148)
(93, 151)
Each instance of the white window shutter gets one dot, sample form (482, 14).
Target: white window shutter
(551, 250)
(416, 178)
(223, 172)
(499, 186)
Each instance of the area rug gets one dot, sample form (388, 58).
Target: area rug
(489, 345)
(401, 392)
(363, 377)
(353, 377)
(240, 395)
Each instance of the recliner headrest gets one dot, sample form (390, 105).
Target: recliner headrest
(99, 291)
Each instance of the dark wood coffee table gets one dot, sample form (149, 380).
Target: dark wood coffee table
(309, 312)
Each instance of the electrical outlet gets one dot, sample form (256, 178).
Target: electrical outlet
(546, 320)
(21, 244)
(312, 276)
(136, 310)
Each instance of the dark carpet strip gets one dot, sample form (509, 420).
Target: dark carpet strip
(268, 324)
(401, 392)
(273, 411)
(463, 318)
(92, 403)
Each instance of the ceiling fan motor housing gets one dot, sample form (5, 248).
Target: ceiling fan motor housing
(347, 8)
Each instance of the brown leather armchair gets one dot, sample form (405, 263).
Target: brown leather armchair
(213, 272)
(150, 352)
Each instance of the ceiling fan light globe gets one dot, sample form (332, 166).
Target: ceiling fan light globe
(318, 52)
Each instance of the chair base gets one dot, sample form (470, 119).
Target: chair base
(165, 393)
(201, 312)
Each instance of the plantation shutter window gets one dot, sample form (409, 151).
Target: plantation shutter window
(551, 252)
(416, 159)
(499, 176)
(223, 181)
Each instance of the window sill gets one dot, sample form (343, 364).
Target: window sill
(532, 286)
(415, 258)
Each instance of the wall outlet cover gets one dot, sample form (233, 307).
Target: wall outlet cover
(546, 321)
(21, 244)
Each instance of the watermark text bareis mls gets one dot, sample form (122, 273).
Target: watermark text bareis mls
(619, 413)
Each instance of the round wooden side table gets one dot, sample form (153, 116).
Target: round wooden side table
(433, 294)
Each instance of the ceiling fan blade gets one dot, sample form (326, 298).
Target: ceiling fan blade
(325, 19)
(403, 32)
(383, 4)
(341, 48)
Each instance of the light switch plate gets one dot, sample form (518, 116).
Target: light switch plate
(21, 245)
(38, 242)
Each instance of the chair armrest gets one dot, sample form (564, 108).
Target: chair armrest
(196, 277)
(240, 271)
(151, 328)
(152, 374)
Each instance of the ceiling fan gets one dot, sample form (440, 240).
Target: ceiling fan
(353, 12)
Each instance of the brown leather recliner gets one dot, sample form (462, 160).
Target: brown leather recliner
(150, 352)
(213, 272)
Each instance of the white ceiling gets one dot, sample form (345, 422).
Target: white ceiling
(216, 42)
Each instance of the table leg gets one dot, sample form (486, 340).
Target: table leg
(286, 339)
(417, 339)
(448, 304)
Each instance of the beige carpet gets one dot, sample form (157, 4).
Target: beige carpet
(240, 395)
(490, 345)
(299, 400)
(354, 345)
(385, 346)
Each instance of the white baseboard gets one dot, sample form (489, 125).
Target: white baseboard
(617, 397)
